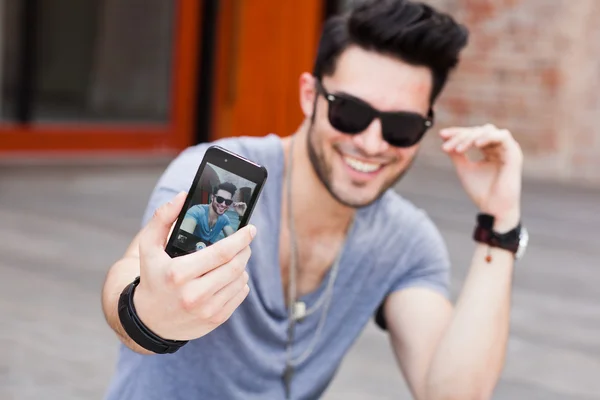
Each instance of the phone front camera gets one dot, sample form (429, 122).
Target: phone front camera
(225, 160)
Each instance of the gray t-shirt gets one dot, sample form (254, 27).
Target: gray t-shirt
(392, 246)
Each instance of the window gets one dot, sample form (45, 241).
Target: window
(92, 60)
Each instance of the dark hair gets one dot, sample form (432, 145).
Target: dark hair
(226, 186)
(411, 31)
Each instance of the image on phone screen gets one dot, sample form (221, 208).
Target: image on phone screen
(217, 207)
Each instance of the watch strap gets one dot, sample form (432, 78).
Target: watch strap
(135, 328)
(484, 233)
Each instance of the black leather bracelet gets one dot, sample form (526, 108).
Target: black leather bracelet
(135, 328)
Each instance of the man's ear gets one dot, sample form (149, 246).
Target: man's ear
(307, 94)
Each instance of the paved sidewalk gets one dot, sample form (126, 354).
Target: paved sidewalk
(60, 229)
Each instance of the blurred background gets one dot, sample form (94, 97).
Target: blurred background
(97, 96)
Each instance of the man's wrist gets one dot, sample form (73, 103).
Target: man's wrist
(506, 222)
(137, 330)
(505, 232)
(139, 303)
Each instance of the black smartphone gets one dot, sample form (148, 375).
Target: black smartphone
(220, 201)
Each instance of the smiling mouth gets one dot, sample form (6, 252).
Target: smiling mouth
(362, 166)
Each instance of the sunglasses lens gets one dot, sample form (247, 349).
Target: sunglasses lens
(349, 116)
(403, 129)
(223, 200)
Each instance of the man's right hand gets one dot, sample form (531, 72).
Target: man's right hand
(186, 297)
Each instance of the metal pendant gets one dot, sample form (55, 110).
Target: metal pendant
(299, 310)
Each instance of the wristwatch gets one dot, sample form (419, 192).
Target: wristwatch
(135, 328)
(515, 240)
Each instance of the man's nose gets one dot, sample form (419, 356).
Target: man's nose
(371, 140)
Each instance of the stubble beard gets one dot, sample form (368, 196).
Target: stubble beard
(324, 172)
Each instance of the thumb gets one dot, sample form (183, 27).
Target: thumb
(157, 229)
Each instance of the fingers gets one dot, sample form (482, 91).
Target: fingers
(201, 290)
(454, 139)
(461, 140)
(232, 305)
(491, 137)
(155, 233)
(201, 262)
(224, 250)
(224, 295)
(216, 313)
(218, 278)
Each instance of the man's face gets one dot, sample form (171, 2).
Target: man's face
(357, 169)
(223, 195)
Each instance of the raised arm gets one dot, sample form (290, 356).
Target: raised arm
(459, 353)
(454, 353)
(188, 224)
(228, 230)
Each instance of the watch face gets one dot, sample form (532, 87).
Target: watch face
(523, 241)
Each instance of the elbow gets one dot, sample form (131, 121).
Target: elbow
(458, 394)
(458, 390)
(460, 384)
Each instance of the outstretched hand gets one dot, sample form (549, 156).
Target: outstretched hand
(186, 297)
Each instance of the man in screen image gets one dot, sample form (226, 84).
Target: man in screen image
(207, 221)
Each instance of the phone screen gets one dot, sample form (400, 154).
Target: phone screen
(218, 204)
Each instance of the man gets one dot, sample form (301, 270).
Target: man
(332, 244)
(207, 221)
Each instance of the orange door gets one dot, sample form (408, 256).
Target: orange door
(98, 75)
(263, 46)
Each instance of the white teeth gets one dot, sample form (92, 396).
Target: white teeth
(361, 166)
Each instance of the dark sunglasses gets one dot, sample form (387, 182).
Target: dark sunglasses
(351, 115)
(224, 200)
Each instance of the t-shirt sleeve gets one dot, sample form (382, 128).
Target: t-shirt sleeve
(195, 212)
(430, 265)
(226, 221)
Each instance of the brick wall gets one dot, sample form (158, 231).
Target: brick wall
(532, 66)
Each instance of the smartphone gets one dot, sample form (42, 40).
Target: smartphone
(220, 201)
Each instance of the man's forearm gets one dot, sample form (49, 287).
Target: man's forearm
(120, 275)
(469, 358)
